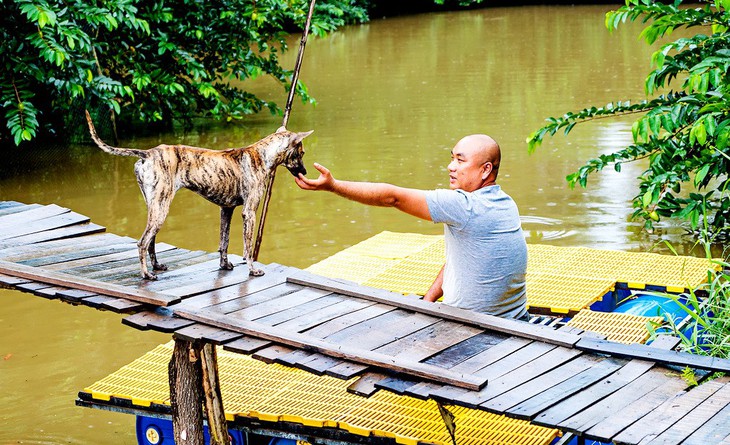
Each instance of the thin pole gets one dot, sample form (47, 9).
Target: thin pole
(287, 111)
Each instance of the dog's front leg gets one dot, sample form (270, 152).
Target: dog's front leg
(249, 216)
(226, 216)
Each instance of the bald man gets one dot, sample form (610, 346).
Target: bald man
(486, 253)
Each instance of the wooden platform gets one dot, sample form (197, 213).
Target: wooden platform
(558, 378)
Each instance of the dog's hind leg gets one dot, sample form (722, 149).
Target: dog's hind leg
(226, 216)
(153, 256)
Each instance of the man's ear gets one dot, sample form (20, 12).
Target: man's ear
(300, 136)
(488, 167)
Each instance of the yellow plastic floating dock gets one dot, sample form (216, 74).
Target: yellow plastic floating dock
(275, 393)
(560, 280)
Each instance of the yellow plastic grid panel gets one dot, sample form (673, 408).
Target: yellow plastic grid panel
(675, 273)
(408, 276)
(353, 267)
(563, 294)
(393, 245)
(274, 393)
(618, 327)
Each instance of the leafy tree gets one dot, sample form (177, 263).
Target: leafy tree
(153, 61)
(684, 131)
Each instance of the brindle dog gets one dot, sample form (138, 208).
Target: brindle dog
(228, 178)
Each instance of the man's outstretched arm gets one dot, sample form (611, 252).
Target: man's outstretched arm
(411, 201)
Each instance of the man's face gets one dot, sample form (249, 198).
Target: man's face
(467, 170)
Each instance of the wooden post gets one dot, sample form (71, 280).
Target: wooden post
(217, 426)
(186, 393)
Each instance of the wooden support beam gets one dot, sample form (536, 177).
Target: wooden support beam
(217, 426)
(186, 393)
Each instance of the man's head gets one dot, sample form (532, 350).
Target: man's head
(474, 163)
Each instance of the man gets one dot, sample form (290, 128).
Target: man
(486, 253)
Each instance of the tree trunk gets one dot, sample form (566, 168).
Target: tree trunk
(186, 393)
(213, 401)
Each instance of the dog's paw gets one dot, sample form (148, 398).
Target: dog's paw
(255, 272)
(226, 265)
(149, 276)
(159, 266)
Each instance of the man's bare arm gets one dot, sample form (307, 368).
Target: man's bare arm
(411, 201)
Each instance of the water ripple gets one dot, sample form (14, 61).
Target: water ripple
(539, 228)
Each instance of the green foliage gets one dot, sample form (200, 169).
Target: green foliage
(684, 134)
(153, 61)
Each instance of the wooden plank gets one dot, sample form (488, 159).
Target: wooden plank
(326, 315)
(54, 222)
(319, 363)
(365, 385)
(246, 345)
(74, 295)
(702, 415)
(234, 302)
(660, 419)
(347, 370)
(429, 341)
(300, 297)
(206, 333)
(396, 385)
(26, 251)
(10, 207)
(293, 357)
(70, 281)
(525, 401)
(593, 394)
(122, 305)
(649, 390)
(203, 282)
(422, 390)
(158, 321)
(359, 355)
(511, 327)
(645, 352)
(274, 277)
(302, 310)
(714, 430)
(491, 354)
(10, 280)
(269, 354)
(74, 231)
(349, 318)
(127, 272)
(58, 261)
(41, 289)
(465, 350)
(382, 330)
(99, 257)
(30, 215)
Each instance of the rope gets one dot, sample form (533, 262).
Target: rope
(287, 111)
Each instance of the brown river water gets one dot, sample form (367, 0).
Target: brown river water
(393, 97)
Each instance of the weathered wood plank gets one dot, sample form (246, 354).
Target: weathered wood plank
(296, 340)
(269, 354)
(714, 430)
(346, 370)
(325, 315)
(525, 401)
(702, 415)
(29, 215)
(10, 280)
(246, 344)
(491, 352)
(381, 330)
(10, 207)
(365, 385)
(54, 222)
(65, 280)
(74, 231)
(652, 388)
(158, 321)
(244, 301)
(319, 363)
(464, 351)
(422, 390)
(302, 310)
(26, 251)
(396, 385)
(593, 394)
(275, 305)
(654, 354)
(127, 272)
(658, 420)
(79, 255)
(100, 257)
(207, 333)
(347, 319)
(429, 341)
(512, 327)
(74, 295)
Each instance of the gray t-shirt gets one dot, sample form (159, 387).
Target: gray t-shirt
(486, 253)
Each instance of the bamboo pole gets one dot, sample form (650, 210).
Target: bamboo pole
(217, 426)
(285, 121)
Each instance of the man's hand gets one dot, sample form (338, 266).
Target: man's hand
(324, 182)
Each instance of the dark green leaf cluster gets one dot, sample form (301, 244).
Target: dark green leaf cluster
(154, 61)
(683, 134)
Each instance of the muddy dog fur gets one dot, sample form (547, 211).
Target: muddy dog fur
(227, 178)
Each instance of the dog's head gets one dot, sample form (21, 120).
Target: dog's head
(294, 153)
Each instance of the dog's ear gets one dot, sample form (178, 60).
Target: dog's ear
(281, 129)
(299, 136)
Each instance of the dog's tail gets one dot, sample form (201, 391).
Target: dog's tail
(108, 148)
